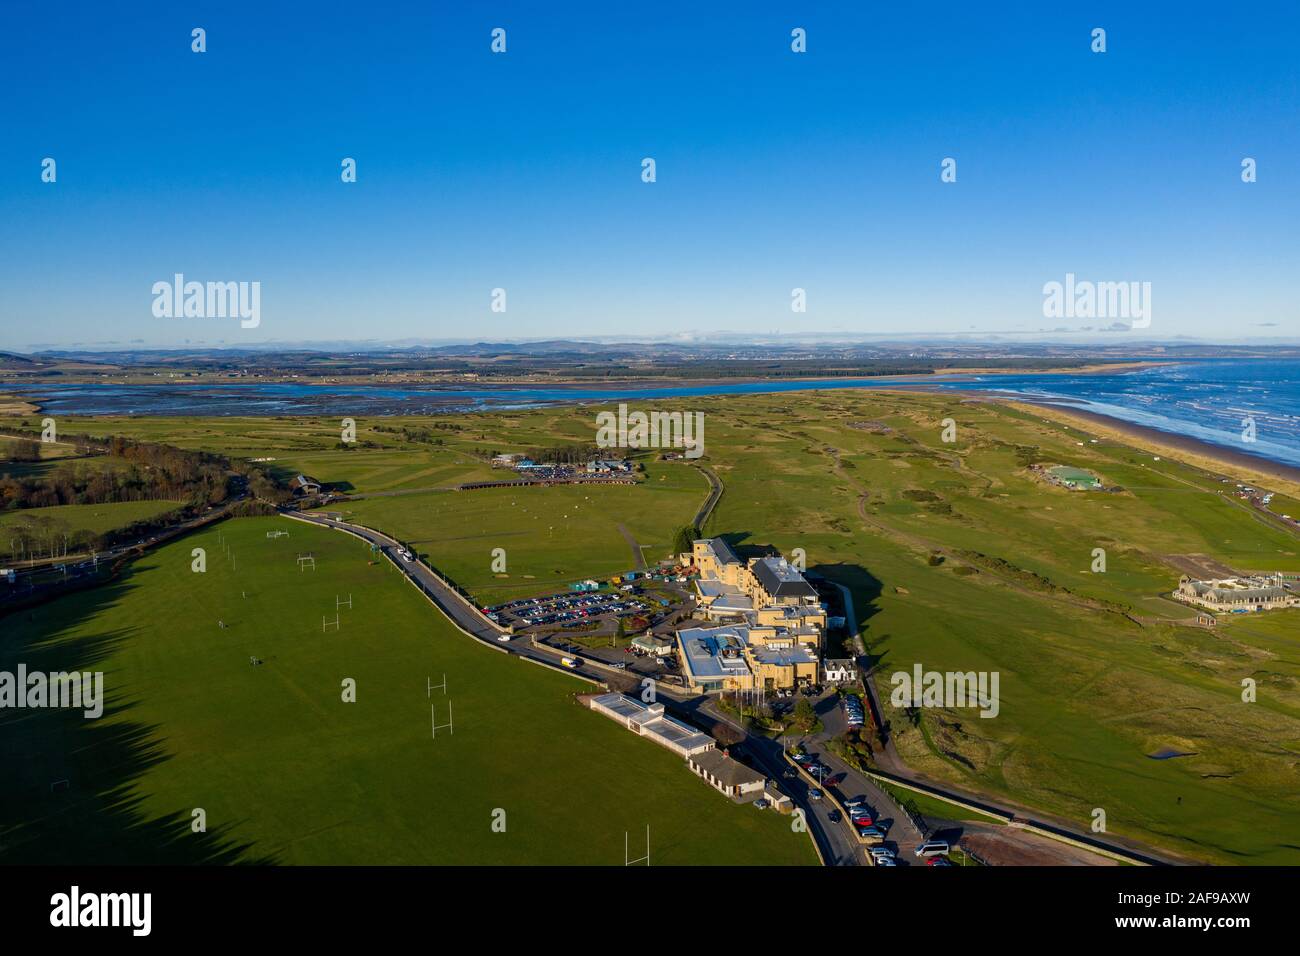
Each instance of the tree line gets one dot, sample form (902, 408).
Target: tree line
(139, 471)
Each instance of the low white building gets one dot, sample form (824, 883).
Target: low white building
(608, 466)
(654, 645)
(728, 775)
(649, 720)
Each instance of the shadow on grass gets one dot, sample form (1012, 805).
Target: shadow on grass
(71, 791)
(862, 584)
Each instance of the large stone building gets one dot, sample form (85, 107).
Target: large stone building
(766, 590)
(770, 623)
(736, 657)
(1239, 595)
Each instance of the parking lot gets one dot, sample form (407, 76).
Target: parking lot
(568, 610)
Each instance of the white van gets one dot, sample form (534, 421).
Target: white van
(932, 848)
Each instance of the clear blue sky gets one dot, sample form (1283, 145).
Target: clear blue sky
(522, 170)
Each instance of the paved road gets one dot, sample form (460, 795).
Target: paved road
(903, 834)
(839, 847)
(715, 492)
(638, 556)
(447, 600)
(889, 761)
(45, 573)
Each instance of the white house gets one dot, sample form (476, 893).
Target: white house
(839, 671)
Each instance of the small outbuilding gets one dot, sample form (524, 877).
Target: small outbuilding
(727, 775)
(303, 485)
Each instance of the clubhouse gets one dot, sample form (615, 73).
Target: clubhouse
(1239, 595)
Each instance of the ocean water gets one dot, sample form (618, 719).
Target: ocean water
(1214, 400)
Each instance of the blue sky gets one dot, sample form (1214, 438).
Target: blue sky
(522, 171)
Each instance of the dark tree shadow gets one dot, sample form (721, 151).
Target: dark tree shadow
(71, 792)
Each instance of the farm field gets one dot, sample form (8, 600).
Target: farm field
(287, 772)
(54, 457)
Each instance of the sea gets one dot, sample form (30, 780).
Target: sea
(1247, 405)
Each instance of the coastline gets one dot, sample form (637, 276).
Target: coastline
(1103, 368)
(1207, 456)
(437, 383)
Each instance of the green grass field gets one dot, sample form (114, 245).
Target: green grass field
(552, 536)
(48, 451)
(287, 772)
(1085, 692)
(863, 482)
(96, 519)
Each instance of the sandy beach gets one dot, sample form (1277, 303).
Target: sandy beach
(1221, 461)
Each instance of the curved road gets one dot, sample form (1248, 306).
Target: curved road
(837, 844)
(715, 492)
(838, 847)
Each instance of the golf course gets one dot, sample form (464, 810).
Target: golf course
(958, 554)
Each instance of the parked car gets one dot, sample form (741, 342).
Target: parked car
(938, 861)
(933, 848)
